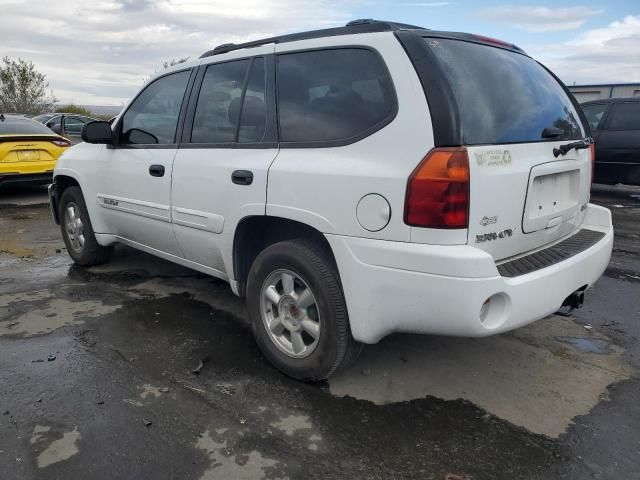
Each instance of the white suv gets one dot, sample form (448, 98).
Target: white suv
(351, 182)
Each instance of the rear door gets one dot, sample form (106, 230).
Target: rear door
(512, 114)
(228, 144)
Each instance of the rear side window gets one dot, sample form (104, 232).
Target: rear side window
(227, 111)
(22, 126)
(332, 96)
(624, 116)
(503, 96)
(152, 118)
(594, 114)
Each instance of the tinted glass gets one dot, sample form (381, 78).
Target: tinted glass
(22, 126)
(624, 116)
(503, 96)
(73, 125)
(153, 116)
(254, 111)
(43, 118)
(594, 113)
(218, 108)
(332, 95)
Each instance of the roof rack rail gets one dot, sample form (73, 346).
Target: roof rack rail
(365, 25)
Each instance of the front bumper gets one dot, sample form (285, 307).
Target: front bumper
(54, 202)
(418, 288)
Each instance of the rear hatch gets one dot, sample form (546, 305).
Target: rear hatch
(512, 114)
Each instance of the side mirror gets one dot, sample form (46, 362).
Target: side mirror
(55, 128)
(97, 132)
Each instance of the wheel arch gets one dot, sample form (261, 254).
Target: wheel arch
(255, 233)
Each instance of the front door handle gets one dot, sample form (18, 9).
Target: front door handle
(156, 170)
(242, 177)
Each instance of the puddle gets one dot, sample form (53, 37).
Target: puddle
(527, 377)
(54, 314)
(57, 450)
(227, 464)
(293, 424)
(587, 345)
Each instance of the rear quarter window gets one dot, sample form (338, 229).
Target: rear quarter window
(504, 96)
(335, 96)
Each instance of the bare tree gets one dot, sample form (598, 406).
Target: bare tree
(23, 89)
(166, 64)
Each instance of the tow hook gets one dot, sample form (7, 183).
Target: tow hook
(573, 301)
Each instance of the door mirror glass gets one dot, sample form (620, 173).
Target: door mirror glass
(97, 132)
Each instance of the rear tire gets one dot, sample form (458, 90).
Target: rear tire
(77, 231)
(297, 311)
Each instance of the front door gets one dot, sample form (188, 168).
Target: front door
(134, 192)
(229, 142)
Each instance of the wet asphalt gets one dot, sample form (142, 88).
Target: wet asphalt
(142, 369)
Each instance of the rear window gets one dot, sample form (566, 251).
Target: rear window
(22, 126)
(330, 96)
(503, 96)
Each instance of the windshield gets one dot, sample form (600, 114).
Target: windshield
(22, 126)
(503, 96)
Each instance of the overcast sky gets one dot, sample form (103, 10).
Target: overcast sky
(97, 53)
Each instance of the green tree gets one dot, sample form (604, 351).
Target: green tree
(23, 89)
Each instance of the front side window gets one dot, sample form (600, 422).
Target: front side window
(594, 113)
(153, 116)
(332, 95)
(624, 116)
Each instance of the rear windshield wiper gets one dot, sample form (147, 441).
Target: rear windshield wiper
(579, 145)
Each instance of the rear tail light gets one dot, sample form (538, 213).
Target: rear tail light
(61, 143)
(438, 190)
(592, 149)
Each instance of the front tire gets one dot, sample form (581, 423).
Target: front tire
(77, 231)
(297, 311)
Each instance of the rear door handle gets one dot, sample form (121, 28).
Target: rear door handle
(242, 177)
(156, 170)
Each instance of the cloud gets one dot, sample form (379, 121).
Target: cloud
(540, 19)
(425, 4)
(602, 55)
(99, 52)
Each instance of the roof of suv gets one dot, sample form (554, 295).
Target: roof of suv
(356, 27)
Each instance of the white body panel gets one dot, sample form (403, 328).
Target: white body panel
(504, 182)
(322, 186)
(396, 278)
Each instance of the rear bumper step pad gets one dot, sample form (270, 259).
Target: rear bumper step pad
(573, 245)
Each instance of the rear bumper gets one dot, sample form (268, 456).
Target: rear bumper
(14, 177)
(400, 287)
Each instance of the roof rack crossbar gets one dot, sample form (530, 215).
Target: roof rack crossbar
(353, 27)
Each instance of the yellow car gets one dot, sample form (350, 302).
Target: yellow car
(28, 150)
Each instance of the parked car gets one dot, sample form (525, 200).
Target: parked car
(66, 124)
(351, 182)
(28, 150)
(615, 123)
